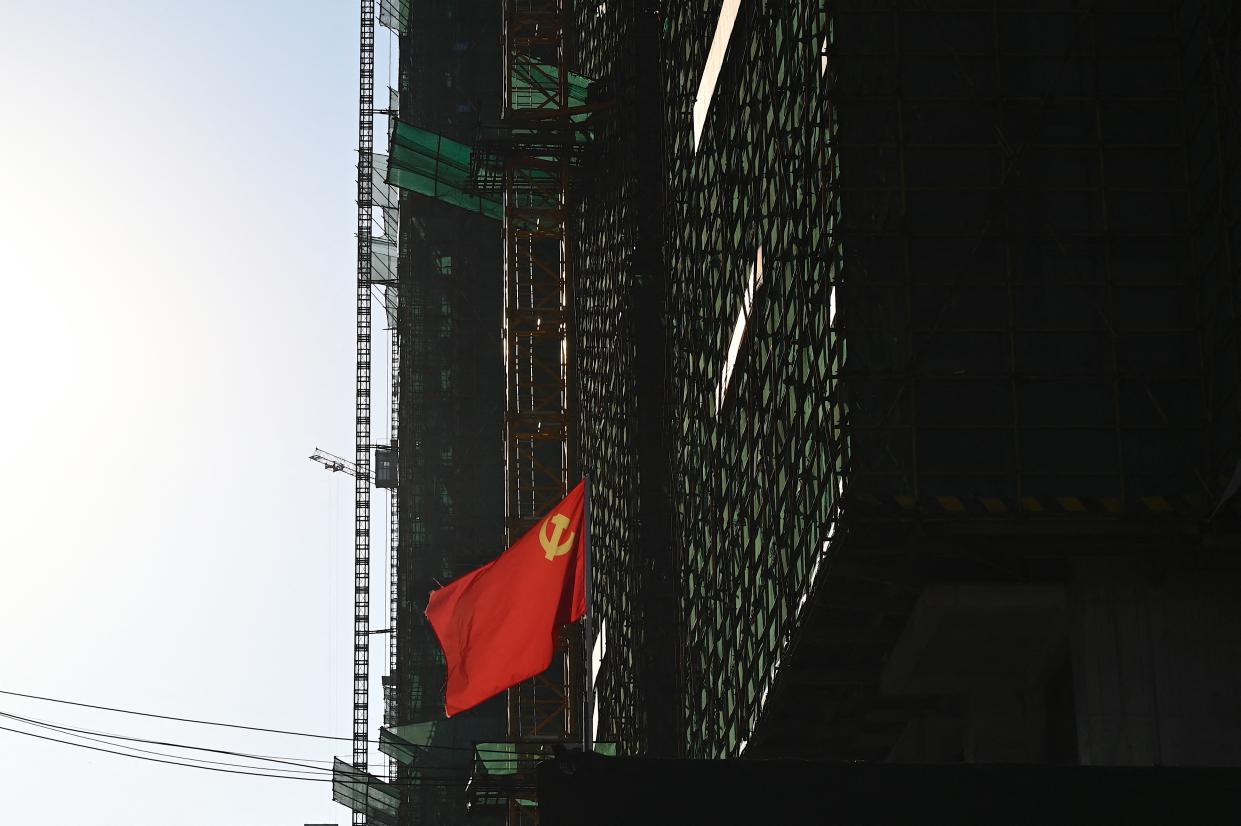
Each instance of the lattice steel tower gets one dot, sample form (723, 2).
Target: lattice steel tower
(362, 403)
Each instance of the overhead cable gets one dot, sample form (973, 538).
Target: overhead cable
(430, 782)
(178, 719)
(472, 749)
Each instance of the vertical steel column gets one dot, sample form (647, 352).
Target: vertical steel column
(362, 403)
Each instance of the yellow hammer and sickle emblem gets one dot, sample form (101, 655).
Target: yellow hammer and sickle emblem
(552, 544)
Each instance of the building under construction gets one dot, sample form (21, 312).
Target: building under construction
(437, 260)
(908, 370)
(902, 345)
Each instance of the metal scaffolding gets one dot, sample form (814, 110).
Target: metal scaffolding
(362, 404)
(537, 103)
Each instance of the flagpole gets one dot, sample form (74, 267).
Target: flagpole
(588, 693)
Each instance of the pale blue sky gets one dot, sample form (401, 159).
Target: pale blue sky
(176, 335)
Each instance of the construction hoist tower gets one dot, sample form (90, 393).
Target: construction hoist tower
(362, 402)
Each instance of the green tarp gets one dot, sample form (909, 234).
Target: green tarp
(399, 748)
(395, 15)
(532, 83)
(392, 301)
(437, 167)
(439, 744)
(497, 758)
(364, 792)
(384, 246)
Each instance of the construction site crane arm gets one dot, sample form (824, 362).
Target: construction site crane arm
(334, 463)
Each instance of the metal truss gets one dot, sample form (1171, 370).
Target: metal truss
(362, 407)
(537, 295)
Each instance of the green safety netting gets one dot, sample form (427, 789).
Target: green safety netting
(384, 245)
(532, 83)
(439, 744)
(497, 758)
(383, 262)
(364, 792)
(383, 195)
(501, 758)
(398, 747)
(437, 167)
(392, 301)
(395, 15)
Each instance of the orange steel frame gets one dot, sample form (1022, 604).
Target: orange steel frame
(537, 335)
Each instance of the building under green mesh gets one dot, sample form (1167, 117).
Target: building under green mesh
(427, 163)
(451, 385)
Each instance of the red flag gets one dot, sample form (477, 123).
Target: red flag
(497, 624)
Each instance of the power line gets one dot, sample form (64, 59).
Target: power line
(157, 760)
(430, 782)
(67, 728)
(84, 734)
(179, 719)
(195, 721)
